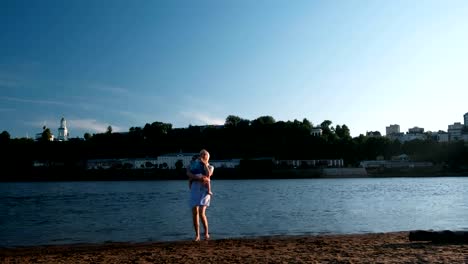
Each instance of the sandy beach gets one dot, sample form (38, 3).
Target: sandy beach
(362, 248)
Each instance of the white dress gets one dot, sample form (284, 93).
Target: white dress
(199, 193)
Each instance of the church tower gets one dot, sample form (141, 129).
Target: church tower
(63, 131)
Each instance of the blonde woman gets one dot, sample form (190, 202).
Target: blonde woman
(200, 195)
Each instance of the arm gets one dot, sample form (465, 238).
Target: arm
(190, 174)
(209, 170)
(194, 177)
(206, 166)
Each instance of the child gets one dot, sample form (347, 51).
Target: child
(198, 169)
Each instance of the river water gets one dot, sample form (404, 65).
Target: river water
(42, 213)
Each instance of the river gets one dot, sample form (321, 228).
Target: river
(44, 213)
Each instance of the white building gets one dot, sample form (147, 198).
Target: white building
(131, 163)
(337, 163)
(102, 163)
(455, 131)
(62, 130)
(232, 163)
(166, 161)
(316, 131)
(395, 164)
(441, 136)
(396, 136)
(392, 130)
(416, 130)
(412, 134)
(144, 163)
(373, 134)
(170, 159)
(410, 137)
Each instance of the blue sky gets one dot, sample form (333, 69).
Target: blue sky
(366, 64)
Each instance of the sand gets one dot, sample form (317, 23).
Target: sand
(363, 248)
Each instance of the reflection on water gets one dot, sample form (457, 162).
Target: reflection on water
(92, 212)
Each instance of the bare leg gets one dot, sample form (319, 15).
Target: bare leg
(196, 222)
(204, 222)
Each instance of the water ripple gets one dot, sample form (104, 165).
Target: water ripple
(93, 212)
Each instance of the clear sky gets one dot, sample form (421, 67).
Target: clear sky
(366, 64)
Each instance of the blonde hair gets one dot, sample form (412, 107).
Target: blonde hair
(204, 151)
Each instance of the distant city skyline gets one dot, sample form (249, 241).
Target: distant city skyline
(365, 64)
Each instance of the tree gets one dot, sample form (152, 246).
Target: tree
(328, 132)
(375, 146)
(87, 136)
(46, 134)
(232, 121)
(4, 137)
(325, 125)
(307, 125)
(244, 123)
(109, 130)
(346, 131)
(342, 132)
(263, 120)
(136, 131)
(156, 130)
(179, 164)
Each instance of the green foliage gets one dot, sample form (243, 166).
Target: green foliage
(263, 121)
(4, 137)
(327, 132)
(343, 132)
(307, 125)
(179, 164)
(156, 131)
(148, 165)
(232, 121)
(87, 136)
(46, 134)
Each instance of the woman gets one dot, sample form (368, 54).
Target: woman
(199, 194)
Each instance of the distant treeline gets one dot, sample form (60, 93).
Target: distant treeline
(238, 138)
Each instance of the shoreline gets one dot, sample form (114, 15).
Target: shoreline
(64, 174)
(393, 247)
(55, 179)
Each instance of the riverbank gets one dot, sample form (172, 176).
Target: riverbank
(361, 248)
(80, 174)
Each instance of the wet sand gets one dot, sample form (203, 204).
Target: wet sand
(362, 248)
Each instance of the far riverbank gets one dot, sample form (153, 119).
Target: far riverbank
(77, 174)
